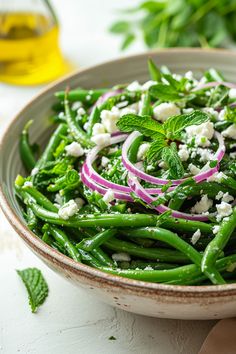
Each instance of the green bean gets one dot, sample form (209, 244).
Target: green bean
(146, 105)
(62, 239)
(31, 218)
(186, 274)
(160, 254)
(88, 258)
(51, 146)
(133, 150)
(88, 244)
(93, 119)
(216, 246)
(26, 152)
(102, 257)
(69, 181)
(85, 96)
(75, 130)
(229, 182)
(183, 225)
(41, 199)
(138, 264)
(176, 203)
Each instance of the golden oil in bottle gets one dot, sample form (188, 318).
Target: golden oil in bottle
(29, 49)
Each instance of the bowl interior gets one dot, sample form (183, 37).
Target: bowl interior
(105, 75)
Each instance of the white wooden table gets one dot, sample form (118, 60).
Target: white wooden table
(70, 321)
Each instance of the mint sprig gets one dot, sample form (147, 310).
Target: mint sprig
(163, 136)
(36, 286)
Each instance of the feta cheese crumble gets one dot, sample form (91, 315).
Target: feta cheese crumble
(143, 148)
(194, 170)
(98, 128)
(28, 184)
(146, 86)
(183, 152)
(104, 161)
(81, 111)
(215, 229)
(80, 202)
(232, 93)
(34, 171)
(74, 149)
(110, 118)
(223, 209)
(230, 132)
(121, 257)
(134, 86)
(165, 110)
(108, 196)
(202, 133)
(216, 177)
(203, 205)
(196, 236)
(67, 210)
(102, 139)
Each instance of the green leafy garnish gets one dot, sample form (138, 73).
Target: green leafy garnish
(36, 286)
(163, 136)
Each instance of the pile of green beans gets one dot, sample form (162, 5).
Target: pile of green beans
(149, 248)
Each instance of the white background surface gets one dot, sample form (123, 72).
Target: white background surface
(70, 321)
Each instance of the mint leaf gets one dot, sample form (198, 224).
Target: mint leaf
(155, 149)
(154, 72)
(144, 124)
(176, 124)
(171, 158)
(165, 93)
(36, 286)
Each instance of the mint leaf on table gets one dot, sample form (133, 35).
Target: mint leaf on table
(174, 125)
(171, 158)
(144, 124)
(36, 286)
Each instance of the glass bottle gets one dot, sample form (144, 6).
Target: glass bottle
(29, 42)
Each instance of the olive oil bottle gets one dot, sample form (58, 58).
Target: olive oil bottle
(29, 43)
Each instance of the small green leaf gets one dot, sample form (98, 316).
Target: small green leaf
(120, 27)
(176, 124)
(154, 72)
(155, 149)
(165, 93)
(129, 38)
(36, 286)
(144, 124)
(171, 158)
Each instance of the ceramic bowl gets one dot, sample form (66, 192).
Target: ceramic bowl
(158, 300)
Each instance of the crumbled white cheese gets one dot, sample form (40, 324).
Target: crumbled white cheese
(227, 197)
(146, 86)
(98, 128)
(230, 132)
(86, 126)
(215, 229)
(104, 161)
(202, 133)
(131, 109)
(68, 210)
(121, 257)
(113, 150)
(148, 268)
(110, 118)
(74, 149)
(34, 171)
(58, 199)
(223, 209)
(61, 115)
(81, 111)
(183, 152)
(232, 93)
(76, 105)
(122, 104)
(80, 202)
(165, 110)
(102, 139)
(219, 195)
(216, 177)
(139, 165)
(142, 150)
(108, 196)
(28, 184)
(189, 75)
(203, 205)
(221, 115)
(211, 111)
(187, 110)
(196, 236)
(134, 86)
(194, 170)
(205, 154)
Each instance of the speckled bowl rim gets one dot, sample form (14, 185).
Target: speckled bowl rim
(66, 263)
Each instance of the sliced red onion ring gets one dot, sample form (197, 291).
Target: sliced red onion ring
(155, 180)
(202, 86)
(95, 177)
(95, 187)
(147, 198)
(107, 95)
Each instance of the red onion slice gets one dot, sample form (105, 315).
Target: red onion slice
(155, 180)
(202, 86)
(147, 198)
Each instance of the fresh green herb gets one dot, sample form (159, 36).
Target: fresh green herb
(171, 158)
(179, 23)
(36, 286)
